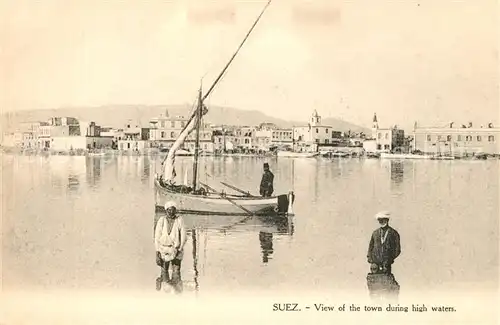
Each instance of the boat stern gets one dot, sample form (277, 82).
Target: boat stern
(285, 203)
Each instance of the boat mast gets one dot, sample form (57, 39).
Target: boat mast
(197, 143)
(201, 108)
(212, 87)
(224, 137)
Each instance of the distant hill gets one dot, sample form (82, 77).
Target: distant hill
(118, 115)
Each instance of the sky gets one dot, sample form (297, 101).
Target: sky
(430, 61)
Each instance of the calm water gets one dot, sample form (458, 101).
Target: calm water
(87, 223)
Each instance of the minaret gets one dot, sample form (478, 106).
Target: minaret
(374, 126)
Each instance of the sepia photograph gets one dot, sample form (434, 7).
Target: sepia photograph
(247, 162)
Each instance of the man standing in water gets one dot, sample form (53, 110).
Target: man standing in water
(384, 245)
(170, 238)
(266, 184)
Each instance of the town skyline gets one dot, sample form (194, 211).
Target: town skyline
(60, 55)
(117, 116)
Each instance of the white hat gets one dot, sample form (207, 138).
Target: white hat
(383, 215)
(170, 204)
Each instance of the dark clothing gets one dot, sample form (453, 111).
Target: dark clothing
(384, 248)
(176, 280)
(382, 285)
(266, 184)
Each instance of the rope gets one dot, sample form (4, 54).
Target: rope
(232, 58)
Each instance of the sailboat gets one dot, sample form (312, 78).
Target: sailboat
(201, 198)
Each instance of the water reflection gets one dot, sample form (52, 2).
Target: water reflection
(93, 171)
(348, 195)
(382, 287)
(146, 169)
(397, 171)
(73, 182)
(267, 228)
(266, 244)
(195, 259)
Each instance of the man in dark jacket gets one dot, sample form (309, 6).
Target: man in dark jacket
(384, 245)
(266, 184)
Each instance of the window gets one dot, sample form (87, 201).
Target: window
(183, 124)
(162, 134)
(386, 147)
(468, 138)
(128, 145)
(478, 138)
(387, 135)
(205, 146)
(380, 135)
(439, 138)
(429, 138)
(317, 130)
(459, 138)
(448, 138)
(172, 134)
(326, 141)
(491, 138)
(379, 147)
(326, 130)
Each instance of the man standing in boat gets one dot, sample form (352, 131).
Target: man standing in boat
(266, 184)
(384, 245)
(170, 238)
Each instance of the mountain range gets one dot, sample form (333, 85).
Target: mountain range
(117, 116)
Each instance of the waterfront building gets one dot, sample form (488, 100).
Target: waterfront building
(12, 139)
(135, 138)
(457, 139)
(223, 138)
(370, 145)
(245, 138)
(269, 135)
(387, 139)
(315, 135)
(115, 134)
(164, 130)
(28, 132)
(68, 133)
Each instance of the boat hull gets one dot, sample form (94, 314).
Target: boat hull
(403, 156)
(214, 204)
(289, 154)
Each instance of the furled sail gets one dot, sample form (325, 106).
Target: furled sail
(169, 162)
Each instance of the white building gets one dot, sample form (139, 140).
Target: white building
(388, 139)
(269, 135)
(134, 138)
(245, 138)
(68, 133)
(223, 138)
(314, 135)
(457, 140)
(164, 130)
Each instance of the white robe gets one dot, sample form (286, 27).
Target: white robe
(170, 245)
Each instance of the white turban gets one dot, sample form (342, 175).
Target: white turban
(383, 215)
(170, 204)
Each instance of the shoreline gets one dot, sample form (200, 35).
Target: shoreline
(156, 153)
